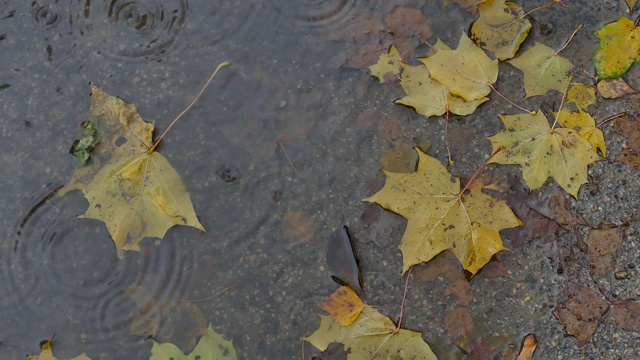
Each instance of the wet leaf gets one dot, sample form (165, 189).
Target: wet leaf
(371, 336)
(500, 28)
(619, 48)
(429, 97)
(581, 313)
(458, 323)
(460, 289)
(298, 227)
(467, 71)
(390, 63)
(630, 129)
(601, 250)
(211, 346)
(440, 218)
(528, 348)
(560, 211)
(543, 70)
(614, 88)
(543, 152)
(582, 95)
(405, 22)
(627, 314)
(470, 5)
(137, 194)
(344, 306)
(47, 354)
(342, 260)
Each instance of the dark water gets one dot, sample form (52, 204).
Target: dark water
(277, 133)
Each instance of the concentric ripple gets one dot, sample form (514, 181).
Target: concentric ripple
(47, 14)
(323, 16)
(57, 261)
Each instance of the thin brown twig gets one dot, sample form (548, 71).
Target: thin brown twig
(214, 295)
(295, 171)
(509, 101)
(611, 118)
(404, 297)
(544, 7)
(466, 186)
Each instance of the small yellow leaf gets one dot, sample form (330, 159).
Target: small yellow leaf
(441, 218)
(467, 71)
(543, 70)
(500, 28)
(619, 48)
(390, 63)
(544, 152)
(211, 346)
(343, 306)
(47, 354)
(582, 95)
(585, 125)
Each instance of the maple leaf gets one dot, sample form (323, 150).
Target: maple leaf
(543, 70)
(390, 63)
(544, 151)
(344, 306)
(582, 95)
(47, 354)
(585, 125)
(619, 48)
(211, 346)
(441, 218)
(467, 71)
(500, 28)
(136, 193)
(429, 97)
(371, 336)
(614, 88)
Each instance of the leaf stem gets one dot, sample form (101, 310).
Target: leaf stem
(155, 144)
(466, 186)
(509, 101)
(611, 118)
(544, 7)
(568, 41)
(564, 95)
(404, 297)
(212, 296)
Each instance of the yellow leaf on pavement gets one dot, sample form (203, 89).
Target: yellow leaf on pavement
(371, 336)
(543, 152)
(343, 306)
(500, 28)
(390, 63)
(440, 218)
(543, 70)
(467, 71)
(619, 48)
(137, 194)
(582, 95)
(585, 125)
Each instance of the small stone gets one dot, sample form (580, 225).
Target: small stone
(283, 104)
(621, 275)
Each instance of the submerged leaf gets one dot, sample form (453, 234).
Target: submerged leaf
(137, 194)
(47, 354)
(500, 28)
(211, 346)
(441, 218)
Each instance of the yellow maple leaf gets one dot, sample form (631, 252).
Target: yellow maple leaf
(440, 217)
(371, 336)
(585, 125)
(429, 97)
(390, 63)
(582, 95)
(135, 192)
(466, 71)
(543, 70)
(343, 305)
(46, 353)
(211, 346)
(500, 28)
(619, 48)
(544, 151)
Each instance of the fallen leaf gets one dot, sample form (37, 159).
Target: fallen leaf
(619, 48)
(470, 5)
(460, 289)
(402, 158)
(440, 218)
(528, 347)
(390, 63)
(560, 211)
(458, 323)
(627, 314)
(211, 346)
(467, 71)
(543, 151)
(298, 227)
(137, 194)
(601, 250)
(371, 336)
(614, 88)
(631, 4)
(581, 313)
(344, 306)
(405, 22)
(500, 28)
(380, 225)
(342, 260)
(543, 70)
(630, 129)
(429, 97)
(47, 354)
(582, 95)
(585, 125)
(444, 264)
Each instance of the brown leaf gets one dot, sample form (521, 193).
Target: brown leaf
(560, 211)
(382, 224)
(630, 129)
(627, 314)
(406, 22)
(528, 347)
(614, 88)
(460, 289)
(581, 313)
(602, 246)
(458, 323)
(298, 227)
(445, 264)
(494, 269)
